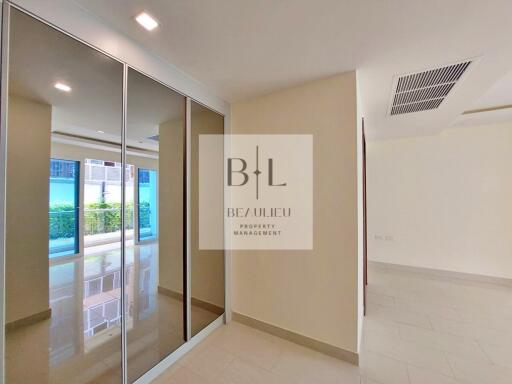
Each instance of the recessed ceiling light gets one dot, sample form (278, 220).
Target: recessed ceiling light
(146, 21)
(100, 131)
(62, 87)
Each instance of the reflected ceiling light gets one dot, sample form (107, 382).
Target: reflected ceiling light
(146, 21)
(100, 131)
(62, 87)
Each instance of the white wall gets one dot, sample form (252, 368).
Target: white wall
(443, 202)
(312, 292)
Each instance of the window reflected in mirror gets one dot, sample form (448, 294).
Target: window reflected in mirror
(63, 216)
(155, 139)
(67, 180)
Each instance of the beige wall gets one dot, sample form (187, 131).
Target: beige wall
(313, 293)
(27, 208)
(443, 201)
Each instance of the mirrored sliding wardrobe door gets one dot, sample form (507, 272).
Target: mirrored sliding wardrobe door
(207, 265)
(155, 141)
(63, 209)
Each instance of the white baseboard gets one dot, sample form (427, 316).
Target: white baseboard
(443, 274)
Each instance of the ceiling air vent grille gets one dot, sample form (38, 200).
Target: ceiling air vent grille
(425, 90)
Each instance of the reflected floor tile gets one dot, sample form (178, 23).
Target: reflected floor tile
(200, 318)
(140, 363)
(69, 348)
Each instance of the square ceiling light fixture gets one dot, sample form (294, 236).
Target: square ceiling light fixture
(146, 20)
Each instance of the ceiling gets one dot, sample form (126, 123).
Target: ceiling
(41, 56)
(493, 107)
(498, 95)
(241, 49)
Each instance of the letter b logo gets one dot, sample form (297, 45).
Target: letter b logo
(240, 171)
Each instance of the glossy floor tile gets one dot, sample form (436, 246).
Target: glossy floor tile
(418, 330)
(443, 330)
(81, 341)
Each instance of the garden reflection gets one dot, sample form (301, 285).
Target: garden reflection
(101, 200)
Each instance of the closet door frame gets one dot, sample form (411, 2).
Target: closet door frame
(190, 342)
(4, 77)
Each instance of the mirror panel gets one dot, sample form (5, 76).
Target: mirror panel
(63, 208)
(154, 241)
(207, 265)
(64, 175)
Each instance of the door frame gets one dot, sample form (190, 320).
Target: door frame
(365, 223)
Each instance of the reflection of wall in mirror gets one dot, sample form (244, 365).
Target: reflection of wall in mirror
(27, 194)
(207, 265)
(170, 205)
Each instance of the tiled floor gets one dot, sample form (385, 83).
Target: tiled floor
(418, 330)
(81, 343)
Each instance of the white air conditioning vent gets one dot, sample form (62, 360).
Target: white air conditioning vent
(425, 90)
